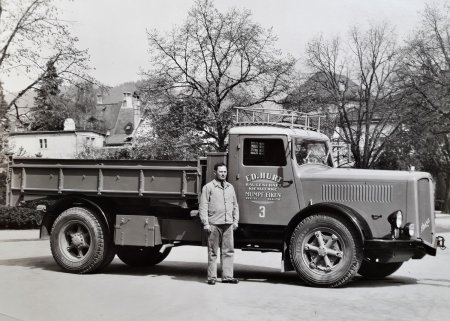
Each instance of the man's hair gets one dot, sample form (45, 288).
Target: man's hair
(218, 165)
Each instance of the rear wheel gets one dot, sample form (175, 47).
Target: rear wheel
(80, 242)
(378, 270)
(325, 251)
(142, 256)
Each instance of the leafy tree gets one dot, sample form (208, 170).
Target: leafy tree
(353, 82)
(31, 36)
(216, 61)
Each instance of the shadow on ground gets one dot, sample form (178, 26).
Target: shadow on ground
(196, 272)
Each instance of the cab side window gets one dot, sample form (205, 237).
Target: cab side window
(264, 152)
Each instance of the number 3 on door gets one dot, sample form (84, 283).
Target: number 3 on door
(262, 211)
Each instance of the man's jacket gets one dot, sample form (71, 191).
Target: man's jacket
(218, 205)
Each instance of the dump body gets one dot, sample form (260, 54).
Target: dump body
(58, 177)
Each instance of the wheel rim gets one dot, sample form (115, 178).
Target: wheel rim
(75, 241)
(322, 250)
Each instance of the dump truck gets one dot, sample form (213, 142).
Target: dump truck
(328, 223)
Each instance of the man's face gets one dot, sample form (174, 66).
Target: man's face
(221, 173)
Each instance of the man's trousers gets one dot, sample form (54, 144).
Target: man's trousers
(221, 236)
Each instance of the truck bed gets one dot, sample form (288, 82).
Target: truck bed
(31, 178)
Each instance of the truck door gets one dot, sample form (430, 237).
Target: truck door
(265, 184)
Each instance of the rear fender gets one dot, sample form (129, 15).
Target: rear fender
(66, 203)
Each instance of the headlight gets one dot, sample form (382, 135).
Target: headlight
(409, 229)
(396, 219)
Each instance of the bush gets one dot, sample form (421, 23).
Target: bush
(19, 218)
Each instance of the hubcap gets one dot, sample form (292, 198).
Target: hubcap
(75, 240)
(322, 250)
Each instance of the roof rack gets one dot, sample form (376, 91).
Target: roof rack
(248, 116)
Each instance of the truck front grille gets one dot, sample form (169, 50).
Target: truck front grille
(357, 193)
(425, 208)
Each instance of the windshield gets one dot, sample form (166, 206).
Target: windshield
(312, 152)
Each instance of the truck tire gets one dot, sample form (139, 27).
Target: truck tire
(141, 256)
(378, 270)
(79, 241)
(325, 251)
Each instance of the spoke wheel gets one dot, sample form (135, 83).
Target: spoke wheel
(322, 250)
(325, 251)
(75, 240)
(80, 241)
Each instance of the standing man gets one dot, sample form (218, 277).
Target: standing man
(219, 213)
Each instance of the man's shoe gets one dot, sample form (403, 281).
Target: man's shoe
(211, 281)
(231, 281)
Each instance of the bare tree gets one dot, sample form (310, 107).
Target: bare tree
(214, 62)
(31, 36)
(425, 71)
(425, 79)
(355, 80)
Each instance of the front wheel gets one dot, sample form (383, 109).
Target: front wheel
(325, 251)
(378, 270)
(142, 256)
(80, 241)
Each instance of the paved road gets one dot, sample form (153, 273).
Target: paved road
(33, 288)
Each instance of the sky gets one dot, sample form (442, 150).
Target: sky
(114, 31)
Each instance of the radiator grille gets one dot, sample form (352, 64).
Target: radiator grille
(357, 193)
(425, 209)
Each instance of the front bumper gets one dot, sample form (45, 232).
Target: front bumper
(389, 251)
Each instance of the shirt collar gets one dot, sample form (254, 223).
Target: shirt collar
(217, 183)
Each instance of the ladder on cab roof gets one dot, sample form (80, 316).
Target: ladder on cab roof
(251, 116)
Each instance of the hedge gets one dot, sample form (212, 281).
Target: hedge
(19, 218)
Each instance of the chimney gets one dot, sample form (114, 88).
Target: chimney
(99, 99)
(136, 110)
(69, 124)
(127, 100)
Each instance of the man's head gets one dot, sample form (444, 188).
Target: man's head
(220, 171)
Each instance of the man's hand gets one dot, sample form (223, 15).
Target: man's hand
(235, 226)
(207, 228)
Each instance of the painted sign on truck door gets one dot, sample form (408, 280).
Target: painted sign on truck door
(266, 187)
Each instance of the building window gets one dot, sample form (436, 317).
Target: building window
(43, 143)
(264, 152)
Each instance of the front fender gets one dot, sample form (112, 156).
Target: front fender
(352, 216)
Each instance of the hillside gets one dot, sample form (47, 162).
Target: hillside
(113, 95)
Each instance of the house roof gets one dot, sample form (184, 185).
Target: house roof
(116, 140)
(108, 114)
(115, 119)
(125, 116)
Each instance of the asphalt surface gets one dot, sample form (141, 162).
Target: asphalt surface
(33, 288)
